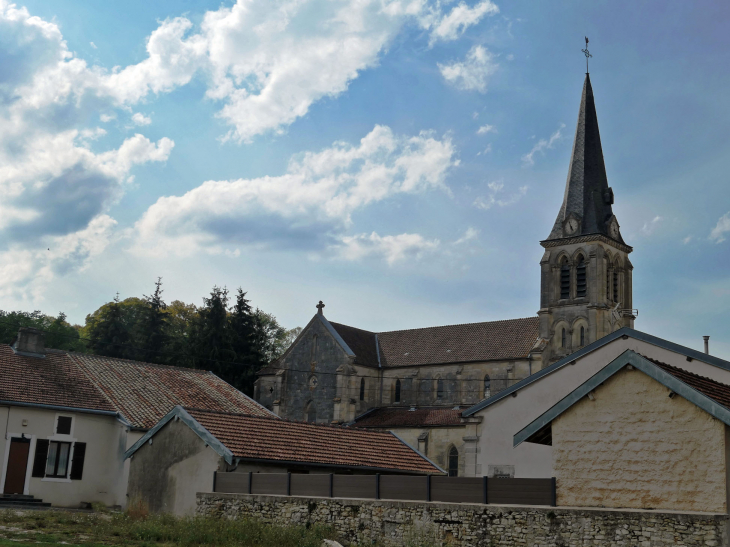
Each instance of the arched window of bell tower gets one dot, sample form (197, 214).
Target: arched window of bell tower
(563, 338)
(581, 281)
(564, 279)
(616, 285)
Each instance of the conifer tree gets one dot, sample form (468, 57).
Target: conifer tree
(211, 339)
(245, 340)
(152, 327)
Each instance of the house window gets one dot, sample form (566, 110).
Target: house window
(57, 459)
(562, 341)
(397, 392)
(440, 388)
(582, 336)
(63, 425)
(453, 462)
(362, 389)
(564, 280)
(581, 286)
(487, 386)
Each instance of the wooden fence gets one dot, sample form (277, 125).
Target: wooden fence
(392, 487)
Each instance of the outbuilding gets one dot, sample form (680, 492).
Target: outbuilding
(190, 449)
(639, 434)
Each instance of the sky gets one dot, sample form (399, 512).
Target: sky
(398, 159)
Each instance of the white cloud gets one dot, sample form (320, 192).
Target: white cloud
(92, 44)
(487, 150)
(310, 205)
(25, 272)
(106, 118)
(473, 72)
(495, 196)
(542, 145)
(483, 130)
(686, 240)
(390, 248)
(470, 234)
(140, 119)
(650, 225)
(460, 18)
(721, 228)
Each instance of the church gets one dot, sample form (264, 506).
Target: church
(418, 382)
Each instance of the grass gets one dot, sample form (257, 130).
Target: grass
(109, 529)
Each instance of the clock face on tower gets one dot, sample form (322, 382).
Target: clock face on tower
(613, 230)
(571, 226)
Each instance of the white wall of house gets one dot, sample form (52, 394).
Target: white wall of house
(103, 480)
(501, 420)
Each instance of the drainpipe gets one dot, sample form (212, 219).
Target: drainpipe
(707, 344)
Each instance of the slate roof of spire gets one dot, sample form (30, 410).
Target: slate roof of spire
(587, 195)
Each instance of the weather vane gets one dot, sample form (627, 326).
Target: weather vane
(587, 54)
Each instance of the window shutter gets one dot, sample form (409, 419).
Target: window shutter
(77, 465)
(39, 460)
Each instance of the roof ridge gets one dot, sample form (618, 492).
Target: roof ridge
(136, 362)
(276, 419)
(535, 318)
(333, 323)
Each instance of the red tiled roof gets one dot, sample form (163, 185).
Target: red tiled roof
(144, 393)
(274, 439)
(53, 380)
(718, 392)
(493, 340)
(404, 417)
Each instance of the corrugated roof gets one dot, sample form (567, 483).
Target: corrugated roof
(144, 393)
(260, 438)
(54, 380)
(405, 417)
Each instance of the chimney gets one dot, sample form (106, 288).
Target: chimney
(707, 344)
(30, 342)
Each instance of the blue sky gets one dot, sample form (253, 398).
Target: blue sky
(398, 159)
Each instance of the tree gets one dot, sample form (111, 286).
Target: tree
(212, 347)
(108, 332)
(152, 327)
(59, 334)
(271, 337)
(245, 338)
(180, 320)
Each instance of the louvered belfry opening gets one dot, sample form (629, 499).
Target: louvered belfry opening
(615, 286)
(580, 279)
(565, 281)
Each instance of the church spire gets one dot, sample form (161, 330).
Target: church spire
(587, 202)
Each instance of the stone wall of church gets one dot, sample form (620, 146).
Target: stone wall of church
(463, 384)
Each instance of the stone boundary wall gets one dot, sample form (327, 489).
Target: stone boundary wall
(397, 523)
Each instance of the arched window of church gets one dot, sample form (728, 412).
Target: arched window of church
(396, 398)
(311, 412)
(362, 389)
(314, 348)
(562, 340)
(440, 388)
(582, 336)
(564, 279)
(581, 285)
(615, 286)
(487, 386)
(453, 462)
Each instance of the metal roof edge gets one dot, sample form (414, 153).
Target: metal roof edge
(335, 335)
(652, 370)
(205, 435)
(624, 331)
(417, 452)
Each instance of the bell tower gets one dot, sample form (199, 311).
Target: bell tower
(585, 289)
